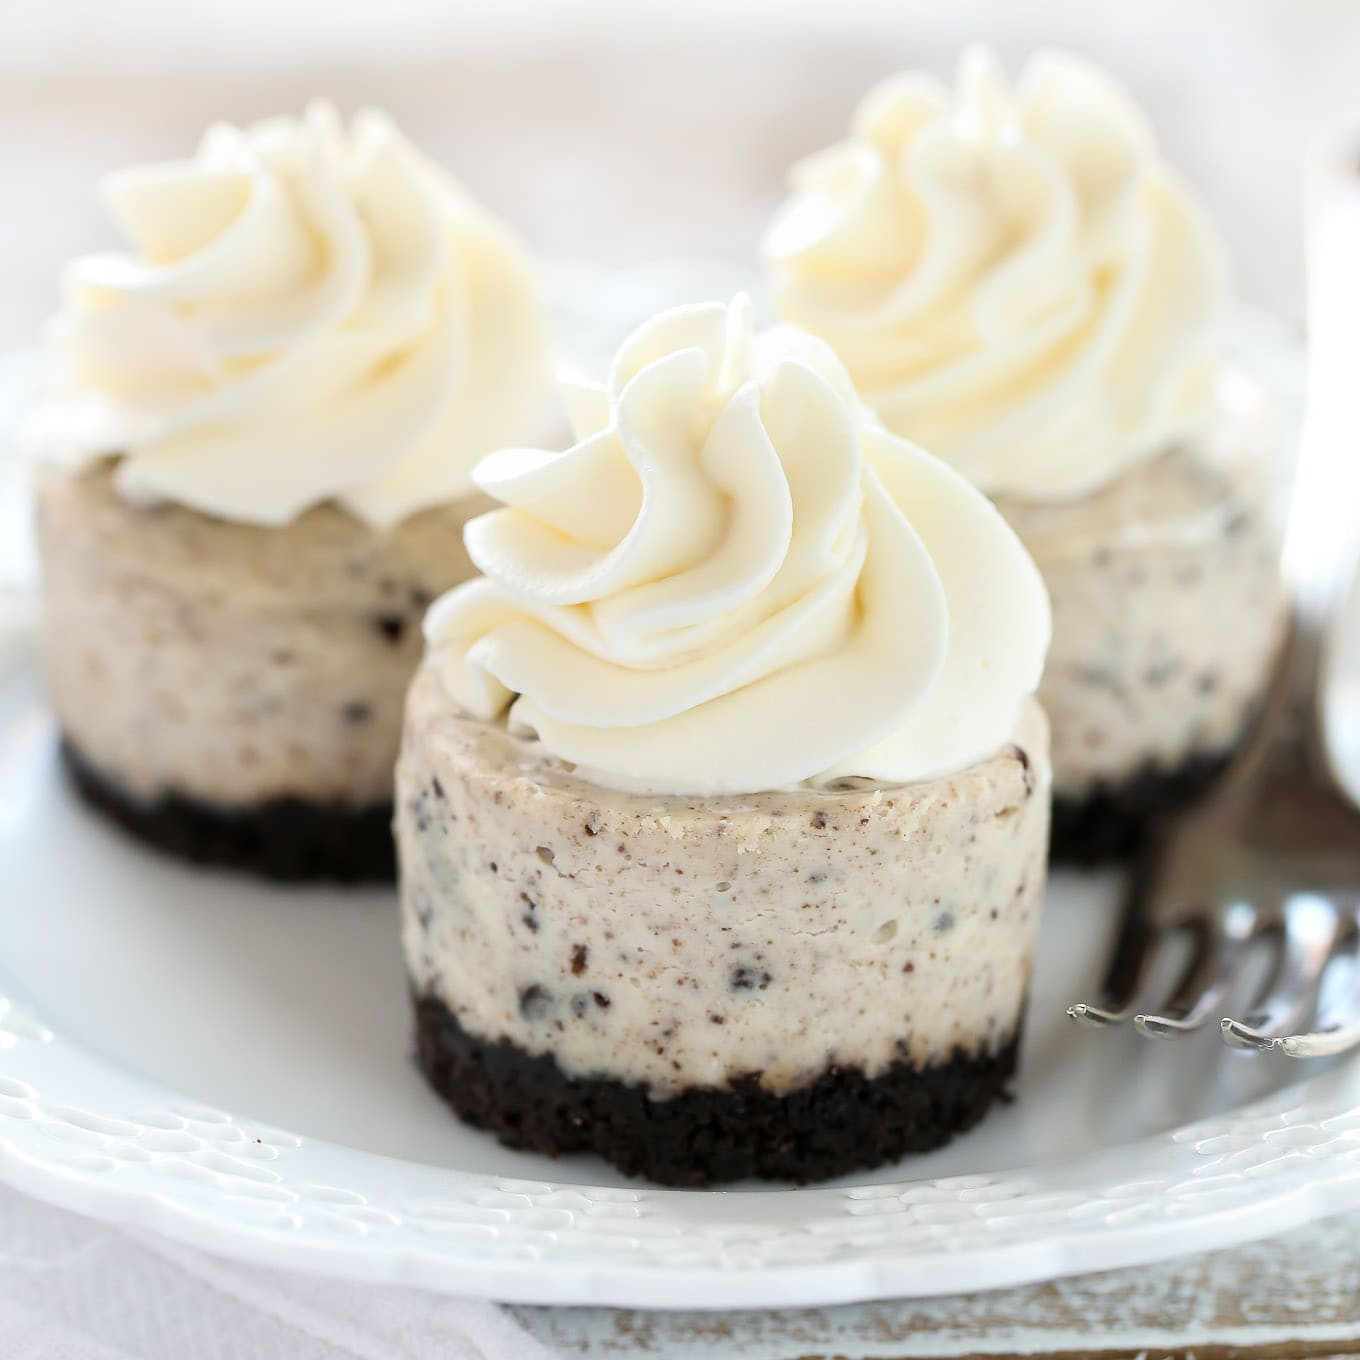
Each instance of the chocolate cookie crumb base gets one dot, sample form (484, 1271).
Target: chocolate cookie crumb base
(1111, 822)
(287, 839)
(843, 1121)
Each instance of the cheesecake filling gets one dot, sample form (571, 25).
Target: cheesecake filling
(232, 664)
(1168, 604)
(680, 942)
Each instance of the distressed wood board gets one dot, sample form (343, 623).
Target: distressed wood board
(1291, 1296)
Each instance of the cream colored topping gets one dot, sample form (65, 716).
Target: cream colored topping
(1012, 276)
(303, 313)
(737, 580)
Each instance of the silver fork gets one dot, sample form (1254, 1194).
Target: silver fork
(1271, 858)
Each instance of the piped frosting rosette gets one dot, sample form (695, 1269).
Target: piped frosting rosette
(737, 580)
(1012, 276)
(304, 312)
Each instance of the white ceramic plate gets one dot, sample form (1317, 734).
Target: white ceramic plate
(229, 1063)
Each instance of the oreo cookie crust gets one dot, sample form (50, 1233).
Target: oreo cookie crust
(286, 839)
(842, 1121)
(1112, 821)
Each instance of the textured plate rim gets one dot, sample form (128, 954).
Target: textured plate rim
(89, 1136)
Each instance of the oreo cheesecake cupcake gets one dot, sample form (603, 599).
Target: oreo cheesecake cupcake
(1015, 278)
(253, 472)
(722, 807)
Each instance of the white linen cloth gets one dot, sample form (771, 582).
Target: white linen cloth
(72, 1289)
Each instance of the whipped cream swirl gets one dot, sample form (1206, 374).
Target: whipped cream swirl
(737, 580)
(304, 313)
(1012, 277)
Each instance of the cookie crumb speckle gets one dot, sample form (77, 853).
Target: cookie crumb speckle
(748, 978)
(534, 1002)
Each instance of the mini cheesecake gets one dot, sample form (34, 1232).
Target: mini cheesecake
(1014, 277)
(723, 801)
(253, 472)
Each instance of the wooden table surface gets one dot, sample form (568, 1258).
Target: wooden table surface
(1292, 1296)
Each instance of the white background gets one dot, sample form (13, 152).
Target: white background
(621, 129)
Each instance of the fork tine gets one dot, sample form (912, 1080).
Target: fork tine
(1337, 1023)
(1130, 963)
(1312, 928)
(1321, 1043)
(1220, 947)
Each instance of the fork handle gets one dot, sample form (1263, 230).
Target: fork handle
(1322, 532)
